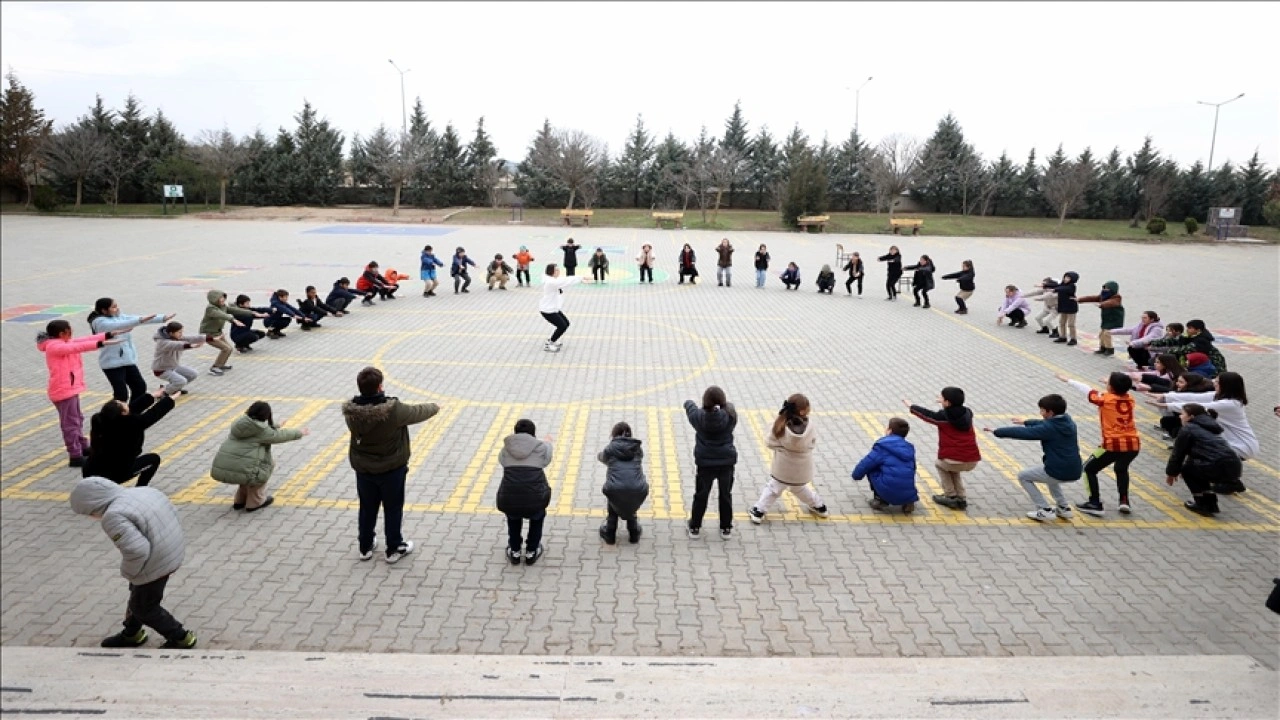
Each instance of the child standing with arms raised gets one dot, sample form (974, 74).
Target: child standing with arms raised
(714, 458)
(792, 439)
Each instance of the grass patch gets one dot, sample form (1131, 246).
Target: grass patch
(131, 210)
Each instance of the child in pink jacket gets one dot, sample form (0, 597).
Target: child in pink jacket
(66, 380)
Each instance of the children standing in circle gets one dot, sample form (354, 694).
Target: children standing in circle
(523, 257)
(599, 264)
(458, 271)
(552, 304)
(965, 279)
(120, 362)
(762, 265)
(714, 457)
(922, 280)
(244, 460)
(570, 249)
(524, 493)
(894, 258)
(854, 268)
(792, 439)
(427, 271)
(688, 265)
(624, 484)
(645, 260)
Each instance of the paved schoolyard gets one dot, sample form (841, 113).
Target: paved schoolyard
(983, 583)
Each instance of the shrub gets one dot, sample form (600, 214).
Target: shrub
(1155, 226)
(44, 198)
(1191, 225)
(1271, 211)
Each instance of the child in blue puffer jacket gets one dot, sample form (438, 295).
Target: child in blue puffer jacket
(890, 467)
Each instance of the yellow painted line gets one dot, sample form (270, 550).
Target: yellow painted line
(28, 418)
(429, 435)
(657, 485)
(51, 455)
(19, 392)
(1136, 487)
(303, 480)
(488, 450)
(573, 465)
(480, 482)
(869, 423)
(541, 365)
(202, 488)
(1255, 502)
(759, 423)
(28, 433)
(675, 493)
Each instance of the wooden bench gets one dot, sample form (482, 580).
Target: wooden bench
(675, 219)
(914, 223)
(570, 215)
(807, 221)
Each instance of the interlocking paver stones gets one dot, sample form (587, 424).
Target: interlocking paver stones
(987, 582)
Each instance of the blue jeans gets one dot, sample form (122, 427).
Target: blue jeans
(760, 277)
(515, 524)
(385, 491)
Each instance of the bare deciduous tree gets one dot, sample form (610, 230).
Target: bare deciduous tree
(117, 164)
(221, 155)
(572, 159)
(1157, 187)
(400, 166)
(969, 171)
(894, 167)
(1063, 186)
(725, 169)
(77, 153)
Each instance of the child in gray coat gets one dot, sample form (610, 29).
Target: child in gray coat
(624, 483)
(144, 527)
(167, 364)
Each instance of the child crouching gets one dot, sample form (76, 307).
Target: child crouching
(624, 484)
(890, 468)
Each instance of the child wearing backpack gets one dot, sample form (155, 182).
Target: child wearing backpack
(1056, 432)
(890, 469)
(957, 444)
(1120, 443)
(792, 439)
(624, 484)
(66, 380)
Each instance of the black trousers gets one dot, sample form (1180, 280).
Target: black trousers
(386, 291)
(1140, 356)
(570, 269)
(515, 524)
(461, 281)
(124, 380)
(920, 291)
(560, 321)
(722, 477)
(848, 285)
(385, 491)
(891, 284)
(1098, 463)
(645, 270)
(1016, 316)
(598, 274)
(1171, 424)
(144, 609)
(611, 522)
(523, 273)
(339, 304)
(1200, 479)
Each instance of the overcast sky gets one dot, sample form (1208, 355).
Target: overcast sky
(1016, 76)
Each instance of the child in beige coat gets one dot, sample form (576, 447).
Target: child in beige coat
(792, 439)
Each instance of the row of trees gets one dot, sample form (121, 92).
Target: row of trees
(124, 155)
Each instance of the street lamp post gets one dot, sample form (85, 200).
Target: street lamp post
(856, 104)
(1216, 107)
(404, 118)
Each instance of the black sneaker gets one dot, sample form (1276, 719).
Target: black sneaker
(531, 557)
(606, 536)
(1042, 331)
(757, 517)
(184, 642)
(120, 640)
(633, 537)
(693, 532)
(265, 503)
(1060, 340)
(1093, 507)
(75, 462)
(1071, 343)
(513, 556)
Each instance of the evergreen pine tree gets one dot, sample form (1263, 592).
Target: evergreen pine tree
(318, 158)
(131, 137)
(1001, 187)
(535, 185)
(736, 139)
(806, 188)
(449, 175)
(424, 137)
(1193, 196)
(944, 158)
(1027, 202)
(252, 183)
(1253, 187)
(670, 162)
(479, 166)
(23, 128)
(850, 176)
(764, 167)
(634, 170)
(1141, 165)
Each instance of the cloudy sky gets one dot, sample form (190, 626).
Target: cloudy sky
(1016, 76)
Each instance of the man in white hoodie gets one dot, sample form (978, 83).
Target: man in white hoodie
(144, 526)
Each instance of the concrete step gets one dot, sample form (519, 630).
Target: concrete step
(152, 683)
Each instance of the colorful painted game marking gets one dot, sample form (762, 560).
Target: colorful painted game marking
(201, 282)
(40, 313)
(1230, 340)
(414, 230)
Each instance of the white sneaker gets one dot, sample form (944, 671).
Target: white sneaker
(405, 548)
(1064, 512)
(756, 516)
(369, 555)
(1042, 514)
(547, 347)
(555, 347)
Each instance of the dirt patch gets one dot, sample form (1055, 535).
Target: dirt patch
(349, 213)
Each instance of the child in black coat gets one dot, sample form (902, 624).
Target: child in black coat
(965, 279)
(624, 484)
(922, 280)
(714, 458)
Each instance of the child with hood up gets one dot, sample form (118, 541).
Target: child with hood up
(1068, 306)
(244, 460)
(890, 469)
(957, 444)
(524, 493)
(792, 439)
(1112, 306)
(826, 280)
(145, 528)
(624, 484)
(216, 317)
(1015, 307)
(66, 380)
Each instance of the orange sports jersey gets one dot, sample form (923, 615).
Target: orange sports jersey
(1115, 414)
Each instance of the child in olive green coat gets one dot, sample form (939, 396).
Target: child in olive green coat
(245, 458)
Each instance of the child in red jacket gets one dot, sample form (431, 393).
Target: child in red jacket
(66, 380)
(957, 444)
